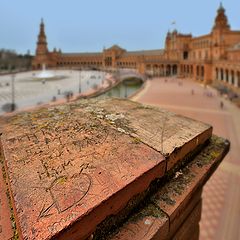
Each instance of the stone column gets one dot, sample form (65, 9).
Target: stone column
(235, 79)
(224, 75)
(238, 79)
(217, 74)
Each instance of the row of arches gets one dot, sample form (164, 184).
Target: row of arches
(200, 72)
(197, 72)
(186, 70)
(127, 64)
(162, 69)
(193, 71)
(229, 76)
(84, 63)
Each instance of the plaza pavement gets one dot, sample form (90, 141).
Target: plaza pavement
(30, 92)
(221, 195)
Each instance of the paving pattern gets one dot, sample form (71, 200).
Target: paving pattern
(221, 196)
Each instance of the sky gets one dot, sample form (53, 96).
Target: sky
(91, 25)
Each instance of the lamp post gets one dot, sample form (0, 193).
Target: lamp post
(13, 92)
(103, 77)
(126, 95)
(80, 82)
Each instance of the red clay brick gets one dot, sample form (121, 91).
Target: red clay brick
(190, 227)
(66, 167)
(145, 225)
(6, 231)
(171, 134)
(71, 166)
(179, 196)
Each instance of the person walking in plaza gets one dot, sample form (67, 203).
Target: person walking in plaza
(221, 105)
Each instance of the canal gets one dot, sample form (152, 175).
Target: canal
(124, 89)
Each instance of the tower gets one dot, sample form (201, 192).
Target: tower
(221, 20)
(220, 32)
(42, 56)
(42, 41)
(168, 40)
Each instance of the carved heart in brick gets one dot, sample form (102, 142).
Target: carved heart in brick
(66, 192)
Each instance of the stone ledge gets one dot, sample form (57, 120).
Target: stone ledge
(6, 231)
(175, 200)
(171, 134)
(88, 161)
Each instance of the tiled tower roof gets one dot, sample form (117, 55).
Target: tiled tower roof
(221, 20)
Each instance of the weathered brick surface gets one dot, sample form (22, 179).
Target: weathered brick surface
(71, 166)
(6, 231)
(150, 223)
(169, 133)
(65, 166)
(190, 227)
(180, 198)
(177, 205)
(184, 210)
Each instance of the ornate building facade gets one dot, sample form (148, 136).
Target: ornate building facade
(211, 57)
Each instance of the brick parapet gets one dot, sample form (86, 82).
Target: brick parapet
(126, 152)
